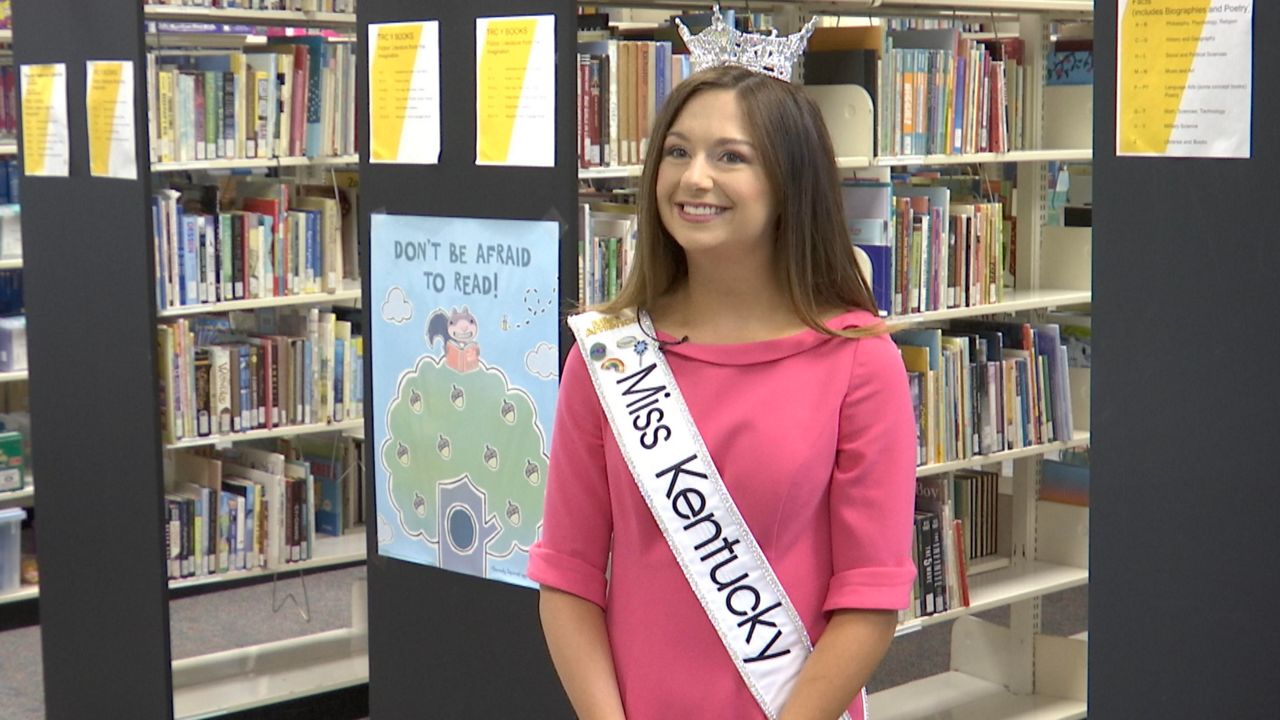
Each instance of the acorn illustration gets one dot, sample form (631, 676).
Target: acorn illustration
(458, 397)
(402, 453)
(444, 447)
(415, 400)
(419, 504)
(490, 456)
(513, 513)
(531, 472)
(508, 412)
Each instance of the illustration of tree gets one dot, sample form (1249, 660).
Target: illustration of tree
(443, 425)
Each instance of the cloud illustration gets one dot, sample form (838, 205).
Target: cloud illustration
(543, 361)
(397, 309)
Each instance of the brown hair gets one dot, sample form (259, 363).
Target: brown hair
(816, 265)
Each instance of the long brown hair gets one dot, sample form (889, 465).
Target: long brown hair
(815, 262)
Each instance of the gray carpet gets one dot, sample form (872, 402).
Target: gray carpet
(198, 625)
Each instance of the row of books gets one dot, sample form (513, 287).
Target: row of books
(621, 86)
(245, 507)
(12, 298)
(957, 521)
(982, 387)
(606, 247)
(929, 248)
(10, 173)
(940, 92)
(340, 6)
(10, 231)
(8, 101)
(13, 343)
(292, 98)
(221, 375)
(223, 241)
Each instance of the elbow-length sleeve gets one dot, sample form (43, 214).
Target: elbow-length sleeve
(572, 553)
(873, 485)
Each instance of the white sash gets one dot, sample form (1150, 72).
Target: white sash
(675, 474)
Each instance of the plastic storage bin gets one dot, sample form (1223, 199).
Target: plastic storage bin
(11, 549)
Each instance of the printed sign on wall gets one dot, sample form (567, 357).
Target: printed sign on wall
(1184, 78)
(109, 104)
(404, 92)
(46, 149)
(466, 366)
(516, 91)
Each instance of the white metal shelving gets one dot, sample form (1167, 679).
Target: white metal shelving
(1080, 439)
(234, 680)
(1017, 156)
(1005, 587)
(251, 163)
(278, 432)
(983, 8)
(15, 376)
(329, 551)
(958, 696)
(8, 147)
(240, 16)
(860, 162)
(612, 172)
(349, 295)
(1014, 301)
(22, 594)
(26, 497)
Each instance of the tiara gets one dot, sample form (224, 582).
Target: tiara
(723, 45)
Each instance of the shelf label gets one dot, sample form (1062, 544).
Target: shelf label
(404, 93)
(44, 120)
(109, 106)
(516, 91)
(1184, 78)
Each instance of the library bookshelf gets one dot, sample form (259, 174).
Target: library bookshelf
(126, 29)
(995, 672)
(348, 295)
(274, 672)
(24, 498)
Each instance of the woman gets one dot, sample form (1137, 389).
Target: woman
(744, 266)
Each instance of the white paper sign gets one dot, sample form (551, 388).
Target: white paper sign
(1184, 78)
(516, 91)
(45, 146)
(109, 103)
(404, 93)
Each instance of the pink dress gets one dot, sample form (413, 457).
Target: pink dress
(815, 439)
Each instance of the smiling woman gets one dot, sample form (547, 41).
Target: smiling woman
(735, 423)
(737, 153)
(713, 194)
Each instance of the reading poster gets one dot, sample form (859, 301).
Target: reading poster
(465, 373)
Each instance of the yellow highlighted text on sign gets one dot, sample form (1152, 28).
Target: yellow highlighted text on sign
(504, 63)
(105, 81)
(392, 72)
(1156, 56)
(37, 107)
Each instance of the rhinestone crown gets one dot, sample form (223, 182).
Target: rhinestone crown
(765, 54)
